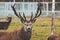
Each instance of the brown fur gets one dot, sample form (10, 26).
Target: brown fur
(15, 35)
(54, 37)
(4, 25)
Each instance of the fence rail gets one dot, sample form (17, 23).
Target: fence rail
(28, 7)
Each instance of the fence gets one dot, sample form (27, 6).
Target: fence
(28, 7)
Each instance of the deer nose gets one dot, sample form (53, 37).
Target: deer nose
(29, 28)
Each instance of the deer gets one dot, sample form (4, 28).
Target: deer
(53, 36)
(25, 32)
(4, 25)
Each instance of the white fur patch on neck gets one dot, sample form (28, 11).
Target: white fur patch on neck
(25, 29)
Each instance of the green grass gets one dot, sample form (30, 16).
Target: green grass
(41, 28)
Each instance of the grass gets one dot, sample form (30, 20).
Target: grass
(41, 28)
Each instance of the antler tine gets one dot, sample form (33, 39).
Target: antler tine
(14, 4)
(21, 18)
(38, 8)
(31, 15)
(37, 15)
(14, 10)
(24, 16)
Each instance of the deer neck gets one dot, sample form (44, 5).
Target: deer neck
(25, 35)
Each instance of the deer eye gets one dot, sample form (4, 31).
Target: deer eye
(26, 24)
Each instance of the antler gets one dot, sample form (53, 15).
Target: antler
(21, 18)
(14, 10)
(37, 14)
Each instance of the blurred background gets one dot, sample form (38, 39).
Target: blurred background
(28, 6)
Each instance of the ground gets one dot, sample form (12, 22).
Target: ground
(41, 28)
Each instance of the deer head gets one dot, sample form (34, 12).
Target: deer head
(27, 23)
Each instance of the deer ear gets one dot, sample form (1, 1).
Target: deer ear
(33, 20)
